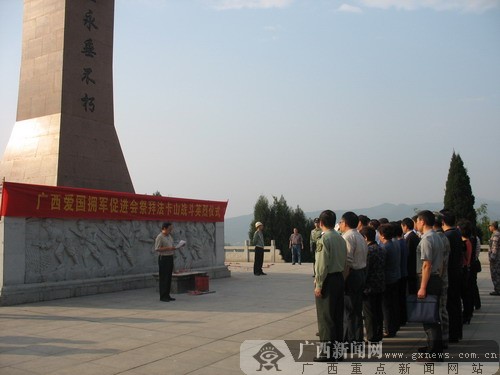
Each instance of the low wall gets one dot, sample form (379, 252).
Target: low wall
(44, 259)
(246, 253)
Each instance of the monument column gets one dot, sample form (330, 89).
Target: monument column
(64, 133)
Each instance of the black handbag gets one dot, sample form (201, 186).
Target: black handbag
(476, 266)
(425, 310)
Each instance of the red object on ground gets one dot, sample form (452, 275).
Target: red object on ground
(201, 283)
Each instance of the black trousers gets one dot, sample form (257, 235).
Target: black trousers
(454, 306)
(165, 269)
(374, 318)
(258, 260)
(353, 305)
(412, 284)
(330, 308)
(433, 330)
(402, 301)
(466, 294)
(391, 308)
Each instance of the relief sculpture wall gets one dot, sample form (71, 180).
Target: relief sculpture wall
(61, 250)
(60, 242)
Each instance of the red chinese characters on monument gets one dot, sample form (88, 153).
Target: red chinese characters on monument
(24, 200)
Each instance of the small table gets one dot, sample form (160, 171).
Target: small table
(182, 282)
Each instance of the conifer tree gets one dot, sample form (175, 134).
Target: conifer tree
(280, 225)
(458, 196)
(279, 220)
(261, 212)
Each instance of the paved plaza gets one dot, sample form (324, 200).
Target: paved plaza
(133, 333)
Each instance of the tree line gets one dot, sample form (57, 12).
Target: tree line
(279, 219)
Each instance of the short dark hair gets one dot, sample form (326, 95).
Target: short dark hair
(383, 220)
(374, 223)
(465, 227)
(494, 224)
(351, 219)
(427, 217)
(369, 233)
(408, 222)
(166, 225)
(328, 218)
(386, 230)
(396, 226)
(438, 219)
(448, 216)
(364, 220)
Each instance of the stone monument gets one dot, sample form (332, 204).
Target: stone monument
(70, 223)
(64, 133)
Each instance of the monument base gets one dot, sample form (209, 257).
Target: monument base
(45, 258)
(26, 293)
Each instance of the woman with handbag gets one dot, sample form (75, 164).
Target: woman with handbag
(475, 268)
(465, 227)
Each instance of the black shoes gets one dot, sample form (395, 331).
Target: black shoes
(168, 299)
(495, 293)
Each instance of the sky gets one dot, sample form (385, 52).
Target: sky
(332, 104)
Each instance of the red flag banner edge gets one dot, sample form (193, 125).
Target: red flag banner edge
(27, 200)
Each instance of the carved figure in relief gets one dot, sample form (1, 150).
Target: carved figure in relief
(179, 234)
(56, 242)
(113, 239)
(88, 243)
(142, 235)
(209, 228)
(126, 249)
(195, 241)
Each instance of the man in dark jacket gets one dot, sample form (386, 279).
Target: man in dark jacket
(454, 303)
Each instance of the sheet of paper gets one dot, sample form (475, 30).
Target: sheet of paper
(180, 244)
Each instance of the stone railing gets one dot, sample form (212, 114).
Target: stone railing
(246, 253)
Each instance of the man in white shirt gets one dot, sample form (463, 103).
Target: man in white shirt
(354, 274)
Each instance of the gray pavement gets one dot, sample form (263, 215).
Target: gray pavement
(133, 333)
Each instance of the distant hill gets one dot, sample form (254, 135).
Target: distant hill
(236, 228)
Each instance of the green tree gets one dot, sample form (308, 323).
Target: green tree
(280, 225)
(483, 223)
(458, 196)
(261, 212)
(279, 220)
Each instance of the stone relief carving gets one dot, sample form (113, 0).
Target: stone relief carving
(58, 250)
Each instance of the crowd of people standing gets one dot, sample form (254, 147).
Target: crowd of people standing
(365, 269)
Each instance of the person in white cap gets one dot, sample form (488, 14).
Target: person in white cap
(258, 242)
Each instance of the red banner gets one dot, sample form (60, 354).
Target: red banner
(23, 200)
